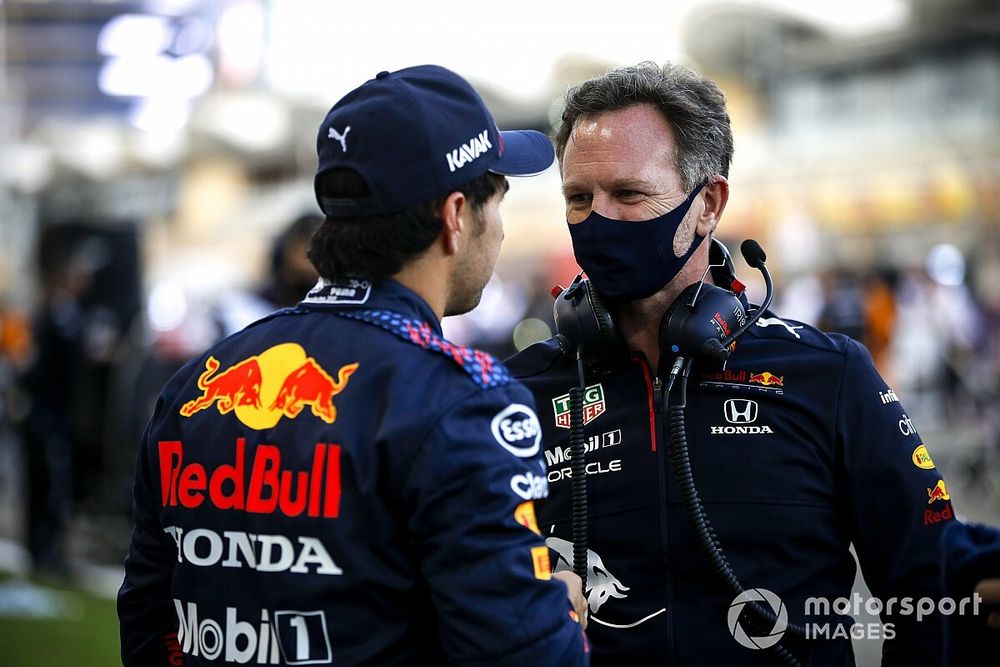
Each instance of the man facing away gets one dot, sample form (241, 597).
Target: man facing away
(338, 484)
(798, 447)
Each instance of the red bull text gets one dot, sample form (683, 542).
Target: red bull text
(314, 492)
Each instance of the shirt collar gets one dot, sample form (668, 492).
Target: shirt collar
(360, 294)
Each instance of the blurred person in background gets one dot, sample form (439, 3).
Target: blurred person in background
(880, 317)
(149, 360)
(372, 482)
(50, 384)
(798, 447)
(289, 277)
(843, 305)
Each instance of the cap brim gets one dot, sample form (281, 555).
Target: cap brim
(526, 153)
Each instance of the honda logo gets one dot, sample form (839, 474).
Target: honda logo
(740, 411)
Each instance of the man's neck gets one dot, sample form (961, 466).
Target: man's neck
(427, 276)
(639, 321)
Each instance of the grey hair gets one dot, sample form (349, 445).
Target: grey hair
(693, 106)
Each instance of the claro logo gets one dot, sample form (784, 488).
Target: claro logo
(529, 486)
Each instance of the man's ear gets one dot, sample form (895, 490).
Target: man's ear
(715, 196)
(452, 214)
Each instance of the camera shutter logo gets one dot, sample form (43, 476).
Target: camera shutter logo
(740, 411)
(765, 597)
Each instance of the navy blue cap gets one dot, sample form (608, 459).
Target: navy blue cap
(417, 134)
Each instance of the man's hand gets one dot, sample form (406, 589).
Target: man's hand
(989, 590)
(574, 590)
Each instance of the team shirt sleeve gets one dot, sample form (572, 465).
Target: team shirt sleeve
(899, 504)
(148, 624)
(472, 485)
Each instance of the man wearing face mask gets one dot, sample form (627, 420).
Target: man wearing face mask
(798, 448)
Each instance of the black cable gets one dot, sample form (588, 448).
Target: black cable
(578, 469)
(704, 532)
(769, 294)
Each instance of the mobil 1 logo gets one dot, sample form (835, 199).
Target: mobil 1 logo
(284, 637)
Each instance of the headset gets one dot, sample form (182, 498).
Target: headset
(703, 321)
(699, 321)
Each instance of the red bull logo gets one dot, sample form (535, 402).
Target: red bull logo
(939, 492)
(237, 385)
(280, 382)
(272, 486)
(767, 379)
(311, 385)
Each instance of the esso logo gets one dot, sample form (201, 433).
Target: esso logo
(517, 430)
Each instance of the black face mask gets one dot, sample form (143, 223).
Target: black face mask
(631, 260)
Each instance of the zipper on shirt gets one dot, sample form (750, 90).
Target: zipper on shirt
(661, 465)
(654, 394)
(656, 399)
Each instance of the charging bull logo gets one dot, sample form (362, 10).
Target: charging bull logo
(279, 382)
(939, 492)
(237, 385)
(767, 379)
(310, 385)
(601, 584)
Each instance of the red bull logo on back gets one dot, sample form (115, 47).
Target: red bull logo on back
(237, 385)
(279, 382)
(311, 385)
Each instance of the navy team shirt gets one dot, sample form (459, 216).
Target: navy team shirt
(337, 484)
(799, 449)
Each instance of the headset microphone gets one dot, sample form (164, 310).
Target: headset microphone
(753, 253)
(755, 258)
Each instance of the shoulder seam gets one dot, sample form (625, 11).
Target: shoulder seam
(555, 360)
(798, 341)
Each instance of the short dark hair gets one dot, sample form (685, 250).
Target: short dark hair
(693, 106)
(380, 246)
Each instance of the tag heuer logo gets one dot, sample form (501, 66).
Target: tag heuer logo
(593, 406)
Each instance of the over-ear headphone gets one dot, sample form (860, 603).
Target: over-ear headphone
(583, 320)
(699, 321)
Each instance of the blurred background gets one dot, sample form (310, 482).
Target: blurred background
(156, 162)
